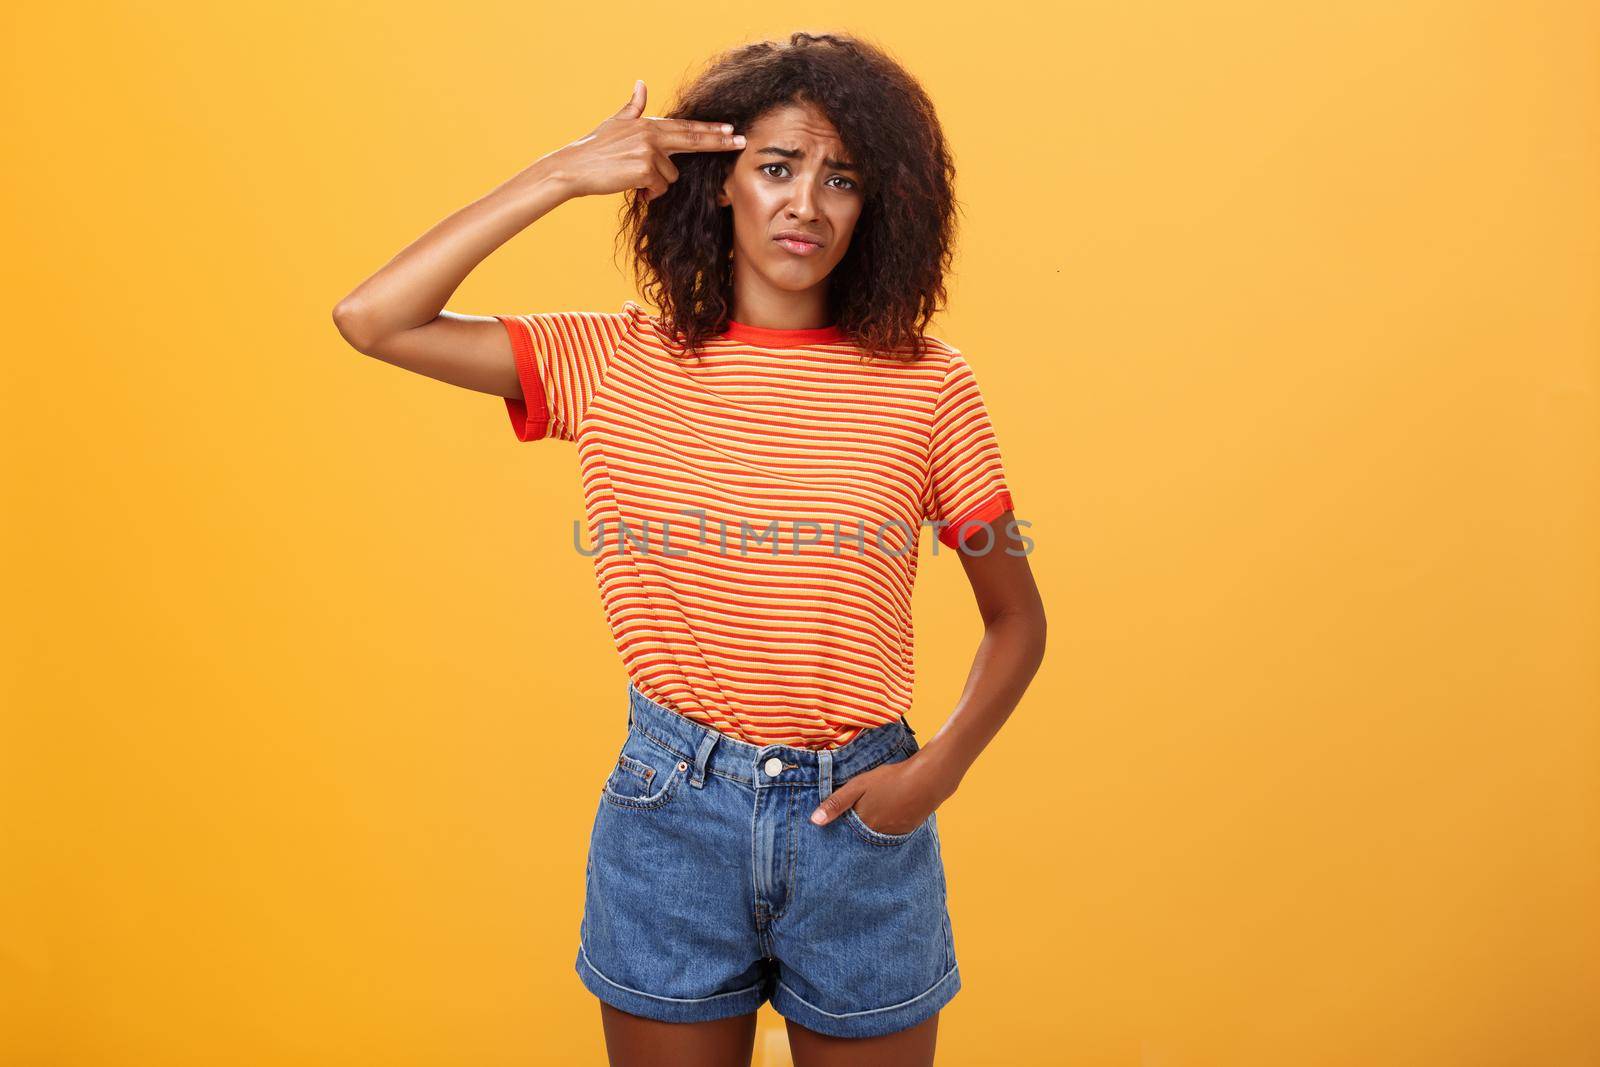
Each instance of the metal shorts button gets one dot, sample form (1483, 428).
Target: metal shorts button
(774, 766)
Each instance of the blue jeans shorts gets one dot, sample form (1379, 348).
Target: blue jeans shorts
(710, 890)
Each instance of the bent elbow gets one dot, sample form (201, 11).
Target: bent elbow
(347, 318)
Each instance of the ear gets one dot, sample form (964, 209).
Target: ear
(724, 198)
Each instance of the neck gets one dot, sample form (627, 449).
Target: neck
(760, 304)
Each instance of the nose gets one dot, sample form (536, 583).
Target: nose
(803, 202)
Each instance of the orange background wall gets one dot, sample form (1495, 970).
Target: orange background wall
(308, 697)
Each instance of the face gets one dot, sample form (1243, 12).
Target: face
(793, 175)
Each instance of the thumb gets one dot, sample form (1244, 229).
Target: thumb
(837, 803)
(635, 105)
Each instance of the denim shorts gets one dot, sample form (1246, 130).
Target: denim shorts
(710, 890)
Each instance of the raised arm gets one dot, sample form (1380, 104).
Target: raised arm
(397, 315)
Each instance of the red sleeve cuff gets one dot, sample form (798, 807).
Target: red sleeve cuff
(530, 419)
(951, 534)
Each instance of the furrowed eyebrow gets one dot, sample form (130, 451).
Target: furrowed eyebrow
(796, 153)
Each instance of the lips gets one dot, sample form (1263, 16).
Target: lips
(801, 244)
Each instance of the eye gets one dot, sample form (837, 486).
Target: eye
(849, 182)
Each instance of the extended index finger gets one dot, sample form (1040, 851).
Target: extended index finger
(686, 136)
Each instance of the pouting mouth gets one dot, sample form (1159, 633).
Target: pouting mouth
(799, 238)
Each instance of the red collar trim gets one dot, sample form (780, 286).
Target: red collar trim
(760, 335)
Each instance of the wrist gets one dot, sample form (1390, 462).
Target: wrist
(546, 180)
(942, 766)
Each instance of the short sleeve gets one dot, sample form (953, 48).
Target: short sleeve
(561, 357)
(967, 481)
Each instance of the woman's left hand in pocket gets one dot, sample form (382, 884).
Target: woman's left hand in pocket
(893, 798)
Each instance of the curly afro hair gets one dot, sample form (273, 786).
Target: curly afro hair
(890, 282)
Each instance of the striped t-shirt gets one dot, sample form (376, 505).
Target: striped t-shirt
(755, 509)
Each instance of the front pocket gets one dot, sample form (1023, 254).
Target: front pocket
(878, 837)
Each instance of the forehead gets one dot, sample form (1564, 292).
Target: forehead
(800, 123)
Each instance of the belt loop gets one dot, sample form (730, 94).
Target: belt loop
(707, 743)
(825, 769)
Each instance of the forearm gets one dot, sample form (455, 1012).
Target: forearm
(413, 287)
(1007, 659)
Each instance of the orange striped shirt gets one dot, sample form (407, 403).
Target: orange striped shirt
(755, 511)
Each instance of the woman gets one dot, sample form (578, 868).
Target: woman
(757, 461)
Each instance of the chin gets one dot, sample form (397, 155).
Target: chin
(795, 278)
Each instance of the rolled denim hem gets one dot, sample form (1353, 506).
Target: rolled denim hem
(872, 1022)
(667, 1009)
